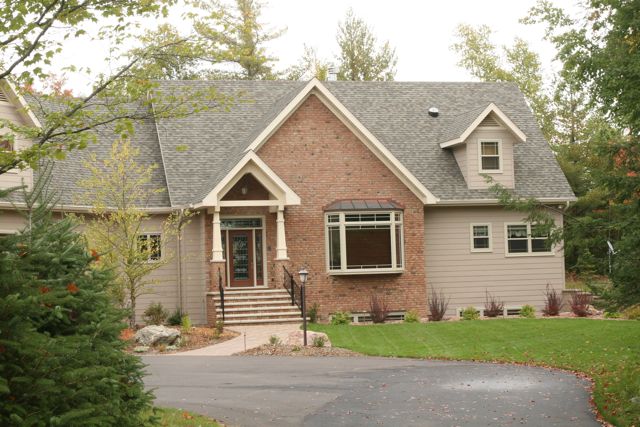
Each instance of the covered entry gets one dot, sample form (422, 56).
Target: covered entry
(243, 243)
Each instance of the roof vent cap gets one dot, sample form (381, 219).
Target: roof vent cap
(433, 112)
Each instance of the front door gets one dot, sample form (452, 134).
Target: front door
(241, 258)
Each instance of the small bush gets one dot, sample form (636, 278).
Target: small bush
(378, 309)
(275, 340)
(437, 306)
(553, 302)
(319, 341)
(185, 323)
(633, 313)
(492, 306)
(155, 314)
(175, 319)
(470, 313)
(612, 315)
(528, 311)
(580, 302)
(219, 327)
(341, 318)
(296, 348)
(312, 312)
(411, 316)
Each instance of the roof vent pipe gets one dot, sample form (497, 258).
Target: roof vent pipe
(433, 112)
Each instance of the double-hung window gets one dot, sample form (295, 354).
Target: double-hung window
(151, 245)
(481, 238)
(364, 242)
(490, 156)
(526, 239)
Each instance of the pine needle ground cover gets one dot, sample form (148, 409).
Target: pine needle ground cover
(608, 351)
(171, 417)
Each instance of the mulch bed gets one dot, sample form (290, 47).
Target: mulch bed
(197, 337)
(297, 351)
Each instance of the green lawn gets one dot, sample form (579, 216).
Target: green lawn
(171, 417)
(606, 350)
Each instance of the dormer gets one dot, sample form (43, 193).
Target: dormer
(482, 141)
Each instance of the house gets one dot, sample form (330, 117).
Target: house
(374, 187)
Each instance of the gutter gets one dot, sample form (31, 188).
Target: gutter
(492, 202)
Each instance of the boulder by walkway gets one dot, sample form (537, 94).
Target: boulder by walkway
(156, 334)
(295, 338)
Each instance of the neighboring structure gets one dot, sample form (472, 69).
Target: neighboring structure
(374, 187)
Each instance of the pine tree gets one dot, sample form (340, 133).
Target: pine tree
(61, 359)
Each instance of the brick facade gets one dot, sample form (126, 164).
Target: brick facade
(323, 161)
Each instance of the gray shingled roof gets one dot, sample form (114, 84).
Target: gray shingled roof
(395, 112)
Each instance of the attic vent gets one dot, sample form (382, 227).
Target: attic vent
(489, 122)
(3, 96)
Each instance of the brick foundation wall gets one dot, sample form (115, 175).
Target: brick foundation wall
(322, 161)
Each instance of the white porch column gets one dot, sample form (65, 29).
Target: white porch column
(281, 241)
(217, 254)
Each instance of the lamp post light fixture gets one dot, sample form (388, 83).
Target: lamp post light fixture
(304, 274)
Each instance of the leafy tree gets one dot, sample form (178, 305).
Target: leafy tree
(517, 63)
(61, 359)
(309, 66)
(119, 189)
(119, 98)
(234, 35)
(360, 58)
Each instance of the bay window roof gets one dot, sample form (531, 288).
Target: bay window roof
(363, 205)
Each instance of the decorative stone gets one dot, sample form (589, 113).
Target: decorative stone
(172, 348)
(593, 311)
(141, 349)
(156, 334)
(295, 338)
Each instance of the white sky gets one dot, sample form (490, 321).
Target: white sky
(421, 31)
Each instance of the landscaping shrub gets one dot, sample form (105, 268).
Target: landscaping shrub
(155, 314)
(175, 319)
(61, 359)
(378, 309)
(492, 306)
(528, 311)
(612, 315)
(633, 313)
(580, 302)
(312, 312)
(437, 306)
(275, 340)
(411, 316)
(185, 323)
(553, 302)
(319, 341)
(341, 318)
(470, 313)
(219, 327)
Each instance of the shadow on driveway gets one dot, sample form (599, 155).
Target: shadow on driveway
(365, 391)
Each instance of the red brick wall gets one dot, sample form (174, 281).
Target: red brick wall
(321, 160)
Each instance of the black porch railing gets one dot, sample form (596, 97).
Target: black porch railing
(221, 290)
(295, 290)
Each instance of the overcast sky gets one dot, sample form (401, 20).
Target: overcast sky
(421, 31)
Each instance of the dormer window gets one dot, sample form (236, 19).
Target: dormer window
(490, 153)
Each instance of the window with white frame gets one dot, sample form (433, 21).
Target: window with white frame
(480, 237)
(151, 244)
(526, 239)
(364, 242)
(490, 152)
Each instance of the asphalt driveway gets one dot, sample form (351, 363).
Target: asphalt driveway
(366, 391)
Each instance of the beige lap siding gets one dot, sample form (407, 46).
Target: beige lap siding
(14, 177)
(194, 273)
(11, 222)
(465, 276)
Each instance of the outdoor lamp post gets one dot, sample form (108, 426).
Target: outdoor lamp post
(303, 280)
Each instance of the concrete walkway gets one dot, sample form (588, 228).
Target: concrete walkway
(250, 337)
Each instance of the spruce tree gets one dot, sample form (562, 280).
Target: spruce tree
(61, 359)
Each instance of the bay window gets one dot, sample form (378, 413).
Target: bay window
(364, 242)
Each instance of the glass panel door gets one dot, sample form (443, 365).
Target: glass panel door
(241, 258)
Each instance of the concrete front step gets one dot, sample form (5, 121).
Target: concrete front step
(256, 306)
(262, 309)
(262, 321)
(258, 292)
(257, 303)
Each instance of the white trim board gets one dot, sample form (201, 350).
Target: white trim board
(491, 108)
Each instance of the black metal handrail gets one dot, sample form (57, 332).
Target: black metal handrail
(295, 290)
(221, 290)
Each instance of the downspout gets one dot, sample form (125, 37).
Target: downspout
(179, 253)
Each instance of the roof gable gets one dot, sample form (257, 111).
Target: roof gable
(466, 123)
(315, 87)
